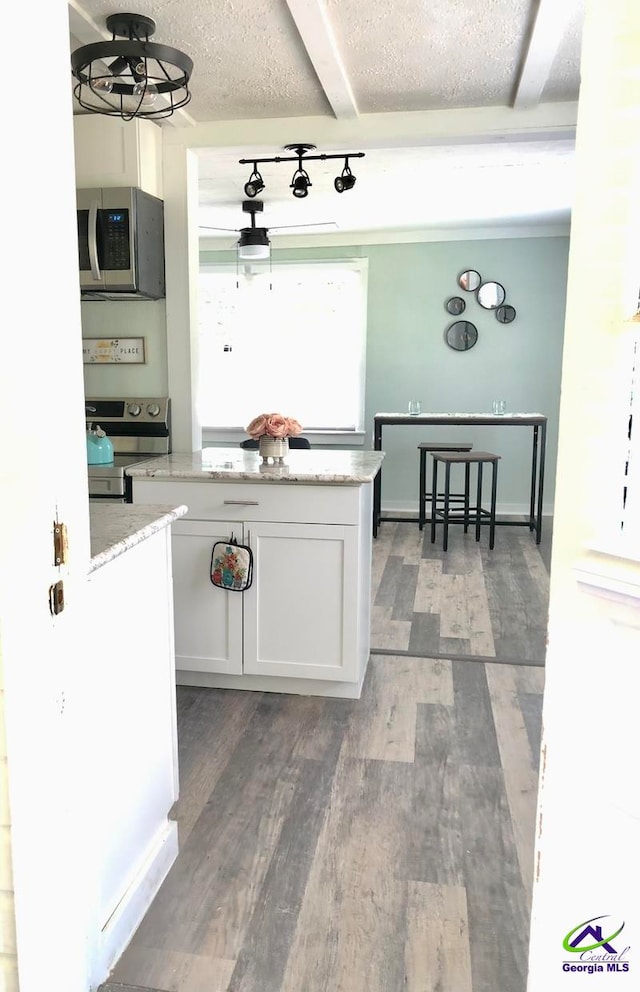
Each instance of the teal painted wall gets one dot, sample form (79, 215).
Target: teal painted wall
(407, 356)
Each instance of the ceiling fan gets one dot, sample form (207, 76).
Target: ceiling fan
(253, 243)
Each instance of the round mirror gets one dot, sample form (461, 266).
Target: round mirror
(455, 305)
(491, 295)
(469, 280)
(461, 336)
(505, 314)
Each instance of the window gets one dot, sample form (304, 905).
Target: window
(291, 340)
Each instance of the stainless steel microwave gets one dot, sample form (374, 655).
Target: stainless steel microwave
(120, 244)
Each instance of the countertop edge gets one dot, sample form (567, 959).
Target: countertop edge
(228, 475)
(164, 518)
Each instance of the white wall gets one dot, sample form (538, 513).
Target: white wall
(587, 850)
(128, 319)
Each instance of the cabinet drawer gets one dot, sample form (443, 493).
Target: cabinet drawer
(255, 501)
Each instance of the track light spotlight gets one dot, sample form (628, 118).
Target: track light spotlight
(255, 184)
(346, 179)
(300, 183)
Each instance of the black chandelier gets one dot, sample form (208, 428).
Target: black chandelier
(143, 80)
(300, 181)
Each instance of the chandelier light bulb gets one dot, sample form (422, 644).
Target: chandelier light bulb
(102, 85)
(147, 91)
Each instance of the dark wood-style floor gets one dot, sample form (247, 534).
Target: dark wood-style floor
(378, 844)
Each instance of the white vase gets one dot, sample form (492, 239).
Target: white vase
(273, 447)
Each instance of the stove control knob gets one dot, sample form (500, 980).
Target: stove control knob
(134, 409)
(153, 409)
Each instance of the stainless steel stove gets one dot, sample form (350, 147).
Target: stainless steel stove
(139, 429)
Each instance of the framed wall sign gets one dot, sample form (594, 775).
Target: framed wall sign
(113, 351)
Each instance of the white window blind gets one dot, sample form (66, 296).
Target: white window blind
(291, 341)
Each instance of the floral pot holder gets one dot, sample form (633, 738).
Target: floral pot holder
(231, 565)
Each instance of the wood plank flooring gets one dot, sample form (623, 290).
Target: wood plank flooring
(371, 845)
(467, 601)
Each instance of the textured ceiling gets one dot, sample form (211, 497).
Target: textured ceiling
(250, 61)
(348, 59)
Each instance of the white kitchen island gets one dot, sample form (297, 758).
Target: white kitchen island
(304, 624)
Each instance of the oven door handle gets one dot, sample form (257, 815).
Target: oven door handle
(92, 240)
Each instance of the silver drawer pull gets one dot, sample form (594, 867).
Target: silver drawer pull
(242, 502)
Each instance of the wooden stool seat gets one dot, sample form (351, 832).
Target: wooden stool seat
(425, 496)
(470, 514)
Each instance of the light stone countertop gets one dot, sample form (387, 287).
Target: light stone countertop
(316, 466)
(116, 527)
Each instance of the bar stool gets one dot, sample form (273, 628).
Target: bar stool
(470, 514)
(426, 496)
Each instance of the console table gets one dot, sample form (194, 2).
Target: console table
(536, 421)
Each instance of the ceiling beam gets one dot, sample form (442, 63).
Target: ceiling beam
(84, 29)
(414, 129)
(314, 27)
(546, 34)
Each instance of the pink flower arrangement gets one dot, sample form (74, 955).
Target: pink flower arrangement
(273, 425)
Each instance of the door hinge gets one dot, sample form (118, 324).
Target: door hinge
(56, 598)
(60, 545)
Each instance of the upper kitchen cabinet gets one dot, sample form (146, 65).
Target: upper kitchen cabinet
(112, 152)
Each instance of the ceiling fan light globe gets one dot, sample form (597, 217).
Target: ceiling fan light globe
(251, 253)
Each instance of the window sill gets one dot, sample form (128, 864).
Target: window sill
(232, 436)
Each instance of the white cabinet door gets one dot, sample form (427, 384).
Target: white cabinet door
(208, 620)
(301, 613)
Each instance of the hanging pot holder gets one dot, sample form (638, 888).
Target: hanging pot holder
(231, 565)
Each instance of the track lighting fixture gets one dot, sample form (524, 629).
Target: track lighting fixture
(346, 179)
(131, 78)
(254, 185)
(300, 181)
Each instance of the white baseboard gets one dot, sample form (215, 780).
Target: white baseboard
(127, 916)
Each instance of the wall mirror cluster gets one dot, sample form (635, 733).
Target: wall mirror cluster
(490, 295)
